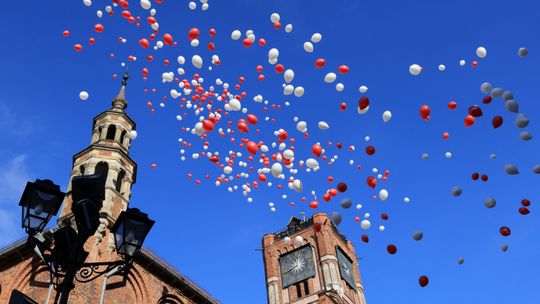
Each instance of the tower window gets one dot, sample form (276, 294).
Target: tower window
(298, 291)
(81, 169)
(103, 168)
(111, 132)
(306, 287)
(122, 136)
(119, 180)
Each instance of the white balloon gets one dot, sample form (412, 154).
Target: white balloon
(330, 77)
(308, 47)
(406, 199)
(462, 62)
(442, 67)
(297, 185)
(227, 170)
(363, 89)
(383, 195)
(236, 34)
(298, 240)
(235, 104)
(315, 38)
(365, 224)
(481, 52)
(287, 240)
(415, 69)
(273, 53)
(83, 95)
(312, 163)
(195, 42)
(299, 91)
(87, 2)
(301, 126)
(276, 169)
(99, 14)
(288, 75)
(181, 60)
(275, 17)
(288, 28)
(323, 125)
(146, 4)
(192, 5)
(132, 134)
(197, 61)
(387, 115)
(288, 89)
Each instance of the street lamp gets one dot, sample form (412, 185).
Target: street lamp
(66, 259)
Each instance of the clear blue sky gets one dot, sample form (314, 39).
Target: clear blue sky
(211, 235)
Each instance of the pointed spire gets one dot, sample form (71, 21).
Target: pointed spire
(120, 101)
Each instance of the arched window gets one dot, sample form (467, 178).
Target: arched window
(119, 180)
(111, 132)
(103, 168)
(122, 136)
(81, 169)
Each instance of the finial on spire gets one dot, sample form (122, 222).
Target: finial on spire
(120, 101)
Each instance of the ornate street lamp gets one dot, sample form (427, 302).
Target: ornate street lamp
(66, 259)
(40, 201)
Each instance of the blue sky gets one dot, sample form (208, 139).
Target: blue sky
(211, 235)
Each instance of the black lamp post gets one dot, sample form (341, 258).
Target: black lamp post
(65, 255)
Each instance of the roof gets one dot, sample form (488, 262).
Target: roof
(20, 250)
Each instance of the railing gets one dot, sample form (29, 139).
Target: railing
(294, 229)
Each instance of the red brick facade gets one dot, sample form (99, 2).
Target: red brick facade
(327, 286)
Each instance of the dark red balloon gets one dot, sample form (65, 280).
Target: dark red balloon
(505, 231)
(363, 103)
(484, 178)
(392, 249)
(475, 111)
(475, 176)
(365, 238)
(384, 216)
(370, 150)
(497, 121)
(487, 99)
(423, 281)
(342, 187)
(525, 202)
(523, 211)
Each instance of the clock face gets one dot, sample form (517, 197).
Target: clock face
(296, 266)
(345, 267)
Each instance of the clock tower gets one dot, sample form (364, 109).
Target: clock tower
(311, 262)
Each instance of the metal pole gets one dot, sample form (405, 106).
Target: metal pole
(104, 287)
(49, 293)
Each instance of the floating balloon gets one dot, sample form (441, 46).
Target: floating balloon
(343, 69)
(132, 134)
(383, 194)
(363, 105)
(469, 120)
(511, 106)
(460, 261)
(316, 38)
(490, 202)
(336, 218)
(521, 121)
(341, 187)
(523, 52)
(475, 111)
(308, 47)
(330, 77)
(415, 69)
(525, 136)
(346, 203)
(423, 281)
(252, 147)
(486, 87)
(323, 125)
(235, 104)
(276, 169)
(481, 52)
(511, 169)
(387, 115)
(505, 231)
(197, 61)
(392, 249)
(536, 169)
(365, 224)
(497, 121)
(504, 247)
(168, 39)
(316, 149)
(418, 235)
(319, 63)
(83, 95)
(424, 112)
(456, 191)
(496, 92)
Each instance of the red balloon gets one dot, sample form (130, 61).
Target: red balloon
(342, 187)
(469, 121)
(154, 166)
(247, 42)
(497, 121)
(78, 47)
(326, 197)
(212, 32)
(314, 204)
(363, 103)
(151, 20)
(262, 42)
(505, 231)
(487, 99)
(392, 249)
(316, 149)
(262, 177)
(144, 43)
(384, 216)
(66, 33)
(523, 211)
(280, 68)
(145, 71)
(343, 106)
(283, 136)
(319, 63)
(370, 150)
(252, 147)
(452, 105)
(372, 182)
(343, 69)
(525, 202)
(445, 135)
(168, 39)
(365, 238)
(98, 28)
(475, 176)
(425, 111)
(475, 111)
(193, 33)
(423, 281)
(208, 125)
(252, 119)
(484, 178)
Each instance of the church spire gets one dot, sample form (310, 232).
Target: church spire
(119, 102)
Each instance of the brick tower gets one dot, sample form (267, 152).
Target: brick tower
(311, 262)
(23, 273)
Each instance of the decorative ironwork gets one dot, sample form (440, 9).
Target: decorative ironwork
(91, 271)
(292, 229)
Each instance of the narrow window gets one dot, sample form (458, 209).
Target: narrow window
(306, 287)
(81, 169)
(103, 168)
(111, 132)
(122, 136)
(119, 180)
(298, 291)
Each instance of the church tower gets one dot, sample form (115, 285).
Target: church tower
(311, 262)
(108, 153)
